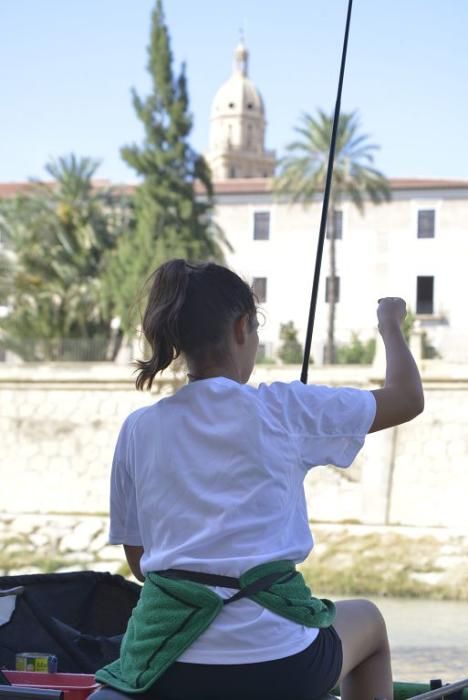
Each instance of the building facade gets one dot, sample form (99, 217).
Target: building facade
(415, 246)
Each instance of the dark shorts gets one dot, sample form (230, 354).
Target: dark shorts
(305, 676)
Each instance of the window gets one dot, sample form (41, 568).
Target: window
(425, 295)
(328, 289)
(259, 288)
(338, 224)
(261, 225)
(426, 223)
(232, 171)
(249, 135)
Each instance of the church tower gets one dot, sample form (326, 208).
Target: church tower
(237, 130)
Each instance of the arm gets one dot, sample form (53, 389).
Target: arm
(133, 554)
(401, 397)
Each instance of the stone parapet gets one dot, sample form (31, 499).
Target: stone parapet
(59, 424)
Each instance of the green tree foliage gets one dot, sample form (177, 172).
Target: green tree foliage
(356, 352)
(4, 275)
(171, 220)
(428, 351)
(60, 235)
(291, 351)
(6, 266)
(408, 324)
(303, 173)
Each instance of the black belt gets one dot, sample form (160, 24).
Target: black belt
(261, 584)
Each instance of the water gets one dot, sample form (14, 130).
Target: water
(428, 638)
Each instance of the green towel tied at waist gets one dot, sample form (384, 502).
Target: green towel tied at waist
(171, 614)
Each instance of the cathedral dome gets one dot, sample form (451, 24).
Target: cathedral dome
(237, 127)
(238, 95)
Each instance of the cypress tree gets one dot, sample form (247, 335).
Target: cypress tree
(170, 220)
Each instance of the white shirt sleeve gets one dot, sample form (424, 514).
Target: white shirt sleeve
(123, 508)
(328, 425)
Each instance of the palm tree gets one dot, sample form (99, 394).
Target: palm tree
(6, 274)
(61, 236)
(303, 172)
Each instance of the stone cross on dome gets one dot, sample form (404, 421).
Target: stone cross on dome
(241, 56)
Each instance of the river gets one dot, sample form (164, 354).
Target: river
(428, 638)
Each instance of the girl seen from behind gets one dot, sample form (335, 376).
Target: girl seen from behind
(207, 499)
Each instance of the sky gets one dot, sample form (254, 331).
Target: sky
(67, 68)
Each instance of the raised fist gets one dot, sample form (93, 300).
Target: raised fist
(391, 310)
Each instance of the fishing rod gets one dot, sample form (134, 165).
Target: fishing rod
(326, 199)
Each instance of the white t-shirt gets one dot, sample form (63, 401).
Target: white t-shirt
(211, 479)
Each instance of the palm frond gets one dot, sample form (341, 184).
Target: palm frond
(302, 171)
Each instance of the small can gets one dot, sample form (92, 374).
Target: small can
(36, 661)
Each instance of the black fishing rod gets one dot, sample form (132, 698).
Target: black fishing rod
(326, 199)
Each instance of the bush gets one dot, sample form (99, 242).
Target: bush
(291, 351)
(356, 352)
(429, 352)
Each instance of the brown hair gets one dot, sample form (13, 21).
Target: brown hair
(188, 311)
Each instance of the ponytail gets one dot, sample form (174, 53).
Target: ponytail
(161, 319)
(188, 311)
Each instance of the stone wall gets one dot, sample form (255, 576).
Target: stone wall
(413, 475)
(58, 426)
(35, 543)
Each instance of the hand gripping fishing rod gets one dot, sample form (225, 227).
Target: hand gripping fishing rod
(326, 199)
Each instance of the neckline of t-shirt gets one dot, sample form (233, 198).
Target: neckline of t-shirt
(205, 380)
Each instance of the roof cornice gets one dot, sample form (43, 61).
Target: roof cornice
(246, 186)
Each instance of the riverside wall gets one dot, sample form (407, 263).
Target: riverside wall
(59, 423)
